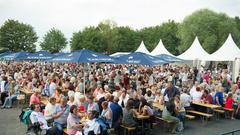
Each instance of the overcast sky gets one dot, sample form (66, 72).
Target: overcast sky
(73, 15)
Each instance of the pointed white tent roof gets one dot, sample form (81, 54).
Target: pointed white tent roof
(227, 52)
(160, 49)
(194, 52)
(142, 48)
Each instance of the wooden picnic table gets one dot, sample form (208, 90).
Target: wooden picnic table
(158, 105)
(26, 91)
(212, 106)
(142, 118)
(44, 100)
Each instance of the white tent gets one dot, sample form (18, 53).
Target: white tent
(194, 52)
(160, 49)
(227, 52)
(142, 48)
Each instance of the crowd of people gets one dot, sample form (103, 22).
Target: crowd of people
(110, 95)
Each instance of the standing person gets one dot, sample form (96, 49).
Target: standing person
(4, 88)
(218, 98)
(52, 87)
(170, 92)
(60, 116)
(117, 113)
(229, 103)
(123, 99)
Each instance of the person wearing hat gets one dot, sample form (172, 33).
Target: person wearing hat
(34, 99)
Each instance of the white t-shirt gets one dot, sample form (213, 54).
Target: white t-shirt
(49, 111)
(196, 96)
(38, 117)
(92, 126)
(185, 99)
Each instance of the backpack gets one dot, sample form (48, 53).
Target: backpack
(24, 117)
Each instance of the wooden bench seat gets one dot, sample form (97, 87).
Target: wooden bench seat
(162, 120)
(228, 109)
(128, 130)
(190, 117)
(200, 113)
(219, 111)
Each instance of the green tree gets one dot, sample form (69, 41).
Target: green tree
(89, 38)
(54, 41)
(211, 28)
(18, 36)
(166, 31)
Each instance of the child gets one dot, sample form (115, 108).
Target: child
(229, 103)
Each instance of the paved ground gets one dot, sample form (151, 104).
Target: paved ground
(9, 125)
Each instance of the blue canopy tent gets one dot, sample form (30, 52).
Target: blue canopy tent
(5, 53)
(83, 56)
(169, 58)
(59, 54)
(140, 58)
(15, 56)
(40, 55)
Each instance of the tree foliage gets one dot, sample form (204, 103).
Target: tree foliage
(18, 36)
(211, 28)
(54, 41)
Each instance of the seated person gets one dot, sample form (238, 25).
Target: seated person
(106, 113)
(73, 121)
(144, 108)
(185, 99)
(91, 126)
(92, 105)
(196, 95)
(168, 114)
(60, 116)
(71, 98)
(82, 104)
(206, 97)
(37, 118)
(34, 99)
(58, 94)
(128, 114)
(12, 97)
(50, 108)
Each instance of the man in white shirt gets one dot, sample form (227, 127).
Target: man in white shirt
(91, 126)
(37, 117)
(52, 87)
(185, 99)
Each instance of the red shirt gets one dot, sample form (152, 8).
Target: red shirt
(229, 102)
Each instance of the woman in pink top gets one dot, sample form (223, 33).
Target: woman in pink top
(34, 99)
